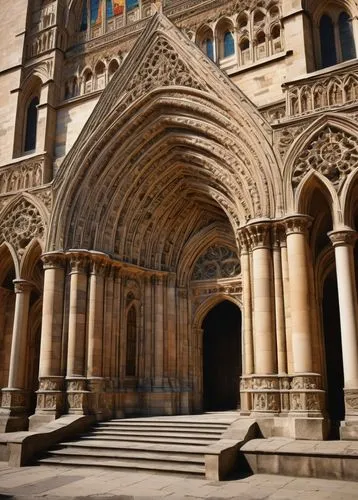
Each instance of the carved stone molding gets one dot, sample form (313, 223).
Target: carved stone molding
(343, 237)
(24, 175)
(53, 260)
(15, 399)
(21, 225)
(22, 286)
(217, 262)
(259, 235)
(297, 224)
(333, 153)
(79, 261)
(351, 402)
(77, 395)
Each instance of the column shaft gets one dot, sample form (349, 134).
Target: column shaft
(19, 335)
(95, 320)
(159, 332)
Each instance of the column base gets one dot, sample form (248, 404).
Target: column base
(351, 404)
(50, 399)
(14, 410)
(77, 396)
(310, 428)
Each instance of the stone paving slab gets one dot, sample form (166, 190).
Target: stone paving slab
(71, 483)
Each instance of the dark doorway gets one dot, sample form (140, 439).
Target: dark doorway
(333, 348)
(222, 357)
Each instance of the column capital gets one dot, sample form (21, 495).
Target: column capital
(243, 241)
(343, 237)
(22, 286)
(259, 234)
(98, 265)
(171, 279)
(297, 224)
(157, 279)
(79, 261)
(278, 235)
(53, 260)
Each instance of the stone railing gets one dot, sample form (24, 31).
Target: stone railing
(334, 87)
(22, 175)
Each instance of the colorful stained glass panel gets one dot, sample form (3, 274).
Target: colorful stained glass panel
(131, 4)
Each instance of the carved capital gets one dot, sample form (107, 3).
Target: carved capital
(278, 235)
(171, 280)
(243, 241)
(259, 235)
(79, 262)
(98, 265)
(297, 224)
(22, 286)
(53, 260)
(343, 237)
(157, 279)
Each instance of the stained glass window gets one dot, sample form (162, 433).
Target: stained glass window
(84, 16)
(131, 4)
(95, 11)
(346, 36)
(209, 48)
(229, 44)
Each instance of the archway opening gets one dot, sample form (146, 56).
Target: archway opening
(333, 349)
(222, 357)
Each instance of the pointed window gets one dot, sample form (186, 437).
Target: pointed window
(328, 45)
(229, 44)
(131, 351)
(31, 125)
(131, 4)
(209, 48)
(346, 37)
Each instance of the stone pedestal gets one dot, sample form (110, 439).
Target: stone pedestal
(77, 395)
(13, 411)
(50, 401)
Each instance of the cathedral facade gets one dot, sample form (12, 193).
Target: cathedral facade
(179, 211)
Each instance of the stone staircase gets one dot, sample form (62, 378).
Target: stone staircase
(168, 444)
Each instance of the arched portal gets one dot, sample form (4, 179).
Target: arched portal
(333, 350)
(222, 357)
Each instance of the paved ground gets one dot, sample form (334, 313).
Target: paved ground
(60, 483)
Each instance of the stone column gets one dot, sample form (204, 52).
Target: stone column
(296, 232)
(343, 242)
(14, 397)
(172, 334)
(265, 382)
(159, 332)
(183, 349)
(50, 396)
(95, 379)
(77, 394)
(279, 302)
(263, 303)
(148, 331)
(247, 341)
(306, 398)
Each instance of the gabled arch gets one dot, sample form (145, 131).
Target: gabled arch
(206, 127)
(209, 304)
(30, 258)
(302, 142)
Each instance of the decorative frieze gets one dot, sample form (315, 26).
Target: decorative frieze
(23, 175)
(50, 395)
(77, 395)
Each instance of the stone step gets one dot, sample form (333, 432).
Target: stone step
(162, 426)
(157, 433)
(136, 446)
(118, 453)
(165, 423)
(135, 464)
(151, 439)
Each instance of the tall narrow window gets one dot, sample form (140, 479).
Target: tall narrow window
(328, 46)
(131, 352)
(346, 37)
(131, 4)
(31, 125)
(229, 44)
(209, 48)
(84, 16)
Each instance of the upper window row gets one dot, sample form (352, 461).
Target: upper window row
(336, 39)
(95, 11)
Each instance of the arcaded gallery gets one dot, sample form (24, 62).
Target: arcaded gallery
(179, 212)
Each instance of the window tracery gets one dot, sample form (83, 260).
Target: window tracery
(217, 262)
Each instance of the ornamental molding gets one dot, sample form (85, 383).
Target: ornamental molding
(332, 152)
(215, 263)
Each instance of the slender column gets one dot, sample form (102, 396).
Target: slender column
(343, 242)
(117, 314)
(171, 321)
(264, 333)
(296, 232)
(76, 382)
(248, 358)
(148, 333)
(19, 335)
(108, 322)
(159, 331)
(183, 348)
(95, 317)
(50, 393)
(279, 302)
(286, 293)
